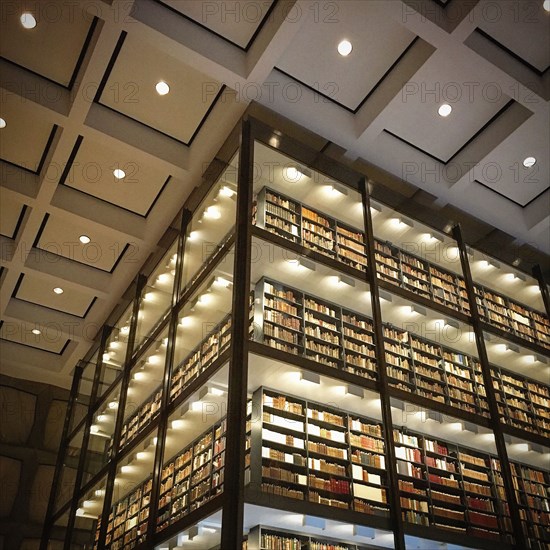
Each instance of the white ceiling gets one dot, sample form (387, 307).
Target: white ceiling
(79, 100)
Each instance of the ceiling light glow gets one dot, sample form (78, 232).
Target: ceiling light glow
(162, 88)
(28, 20)
(344, 48)
(58, 290)
(2, 123)
(84, 239)
(445, 110)
(36, 331)
(226, 191)
(546, 5)
(119, 174)
(213, 212)
(529, 161)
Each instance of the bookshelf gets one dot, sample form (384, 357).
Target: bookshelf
(301, 324)
(127, 524)
(143, 416)
(268, 538)
(509, 316)
(203, 355)
(323, 456)
(532, 488)
(522, 402)
(193, 477)
(333, 458)
(306, 226)
(303, 225)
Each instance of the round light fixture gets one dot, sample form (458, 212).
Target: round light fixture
(28, 20)
(2, 123)
(58, 290)
(84, 239)
(444, 110)
(162, 88)
(119, 174)
(546, 5)
(529, 161)
(36, 331)
(344, 48)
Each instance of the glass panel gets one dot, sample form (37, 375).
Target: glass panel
(58, 532)
(306, 308)
(67, 477)
(145, 389)
(88, 516)
(204, 534)
(194, 465)
(129, 514)
(212, 224)
(204, 327)
(418, 258)
(156, 297)
(449, 476)
(521, 379)
(101, 435)
(431, 355)
(82, 401)
(308, 208)
(114, 355)
(509, 300)
(531, 475)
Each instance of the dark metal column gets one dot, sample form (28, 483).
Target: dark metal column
(61, 456)
(111, 473)
(537, 273)
(233, 503)
(500, 443)
(393, 488)
(163, 417)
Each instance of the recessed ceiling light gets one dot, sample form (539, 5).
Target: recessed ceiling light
(344, 48)
(36, 331)
(2, 123)
(529, 161)
(28, 20)
(213, 212)
(119, 174)
(58, 290)
(444, 110)
(162, 88)
(84, 239)
(546, 5)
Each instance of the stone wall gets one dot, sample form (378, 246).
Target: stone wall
(31, 421)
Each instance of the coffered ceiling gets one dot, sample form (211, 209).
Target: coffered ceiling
(79, 101)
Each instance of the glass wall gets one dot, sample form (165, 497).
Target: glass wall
(156, 297)
(67, 479)
(84, 392)
(212, 224)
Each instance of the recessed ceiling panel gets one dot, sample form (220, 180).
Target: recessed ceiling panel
(236, 21)
(25, 138)
(131, 90)
(474, 99)
(63, 238)
(93, 172)
(503, 170)
(377, 40)
(34, 289)
(47, 337)
(11, 211)
(53, 47)
(522, 28)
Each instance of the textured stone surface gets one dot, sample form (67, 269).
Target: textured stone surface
(17, 411)
(10, 473)
(40, 492)
(54, 424)
(30, 544)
